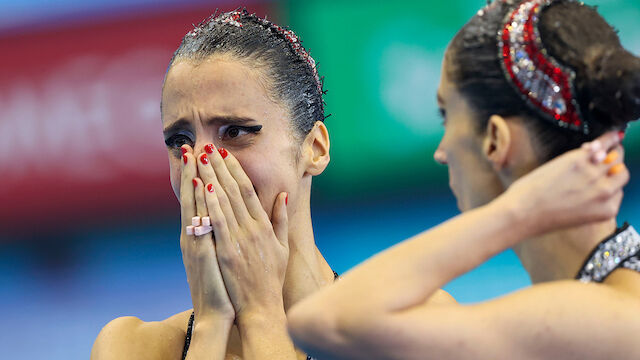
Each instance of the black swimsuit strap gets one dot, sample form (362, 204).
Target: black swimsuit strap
(187, 340)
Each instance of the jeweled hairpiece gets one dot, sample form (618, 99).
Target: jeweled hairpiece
(234, 18)
(544, 84)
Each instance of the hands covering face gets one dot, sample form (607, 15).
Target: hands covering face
(239, 267)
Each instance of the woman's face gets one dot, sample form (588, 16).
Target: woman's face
(222, 101)
(471, 176)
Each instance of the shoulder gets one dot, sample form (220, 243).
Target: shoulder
(128, 337)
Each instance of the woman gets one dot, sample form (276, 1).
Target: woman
(242, 113)
(521, 84)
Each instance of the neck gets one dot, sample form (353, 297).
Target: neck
(559, 255)
(307, 270)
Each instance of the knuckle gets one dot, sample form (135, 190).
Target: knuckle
(246, 190)
(217, 222)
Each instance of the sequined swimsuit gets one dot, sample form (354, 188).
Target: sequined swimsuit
(620, 250)
(187, 340)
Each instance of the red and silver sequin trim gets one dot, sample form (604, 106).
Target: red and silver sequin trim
(233, 18)
(538, 77)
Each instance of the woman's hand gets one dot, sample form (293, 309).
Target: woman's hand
(211, 302)
(252, 250)
(581, 186)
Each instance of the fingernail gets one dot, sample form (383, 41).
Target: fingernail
(611, 157)
(286, 199)
(209, 148)
(621, 135)
(184, 151)
(223, 153)
(195, 183)
(184, 158)
(616, 169)
(595, 145)
(204, 159)
(210, 188)
(599, 156)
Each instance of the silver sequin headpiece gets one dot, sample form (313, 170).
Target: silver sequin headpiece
(543, 83)
(235, 18)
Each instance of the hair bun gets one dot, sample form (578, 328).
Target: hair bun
(613, 87)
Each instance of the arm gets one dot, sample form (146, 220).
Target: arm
(350, 318)
(130, 338)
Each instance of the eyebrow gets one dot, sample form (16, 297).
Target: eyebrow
(218, 120)
(439, 99)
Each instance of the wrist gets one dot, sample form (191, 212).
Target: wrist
(261, 317)
(208, 320)
(517, 216)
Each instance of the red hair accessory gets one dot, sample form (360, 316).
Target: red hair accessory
(234, 18)
(544, 84)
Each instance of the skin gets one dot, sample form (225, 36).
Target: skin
(552, 215)
(263, 258)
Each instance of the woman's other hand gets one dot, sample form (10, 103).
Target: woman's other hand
(252, 249)
(208, 292)
(581, 186)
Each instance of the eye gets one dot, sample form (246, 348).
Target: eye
(443, 115)
(234, 131)
(177, 140)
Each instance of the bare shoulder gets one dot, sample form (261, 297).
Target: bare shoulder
(128, 337)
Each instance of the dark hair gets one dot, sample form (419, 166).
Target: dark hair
(292, 76)
(607, 82)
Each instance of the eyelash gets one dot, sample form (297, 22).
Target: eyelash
(443, 115)
(248, 129)
(172, 140)
(177, 140)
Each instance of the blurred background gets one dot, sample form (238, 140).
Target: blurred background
(88, 222)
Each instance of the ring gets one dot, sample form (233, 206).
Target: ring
(199, 226)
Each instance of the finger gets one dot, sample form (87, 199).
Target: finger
(209, 176)
(604, 142)
(201, 205)
(229, 185)
(187, 201)
(280, 220)
(218, 220)
(247, 191)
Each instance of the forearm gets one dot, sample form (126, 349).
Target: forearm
(209, 339)
(406, 275)
(264, 335)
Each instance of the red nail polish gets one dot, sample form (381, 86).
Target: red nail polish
(209, 148)
(621, 135)
(286, 200)
(184, 158)
(210, 187)
(204, 159)
(223, 153)
(195, 183)
(184, 151)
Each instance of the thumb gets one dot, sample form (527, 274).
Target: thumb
(279, 219)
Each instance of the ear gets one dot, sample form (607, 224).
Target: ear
(496, 144)
(315, 150)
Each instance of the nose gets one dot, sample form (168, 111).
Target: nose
(440, 156)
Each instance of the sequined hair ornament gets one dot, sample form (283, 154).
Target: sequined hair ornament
(237, 17)
(545, 84)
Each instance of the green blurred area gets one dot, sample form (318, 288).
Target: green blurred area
(382, 63)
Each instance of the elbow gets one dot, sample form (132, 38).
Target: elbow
(328, 330)
(313, 328)
(305, 323)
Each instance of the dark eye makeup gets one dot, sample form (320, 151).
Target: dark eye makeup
(180, 138)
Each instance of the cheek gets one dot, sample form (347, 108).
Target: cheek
(269, 178)
(175, 174)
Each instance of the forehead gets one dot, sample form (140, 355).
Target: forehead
(217, 86)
